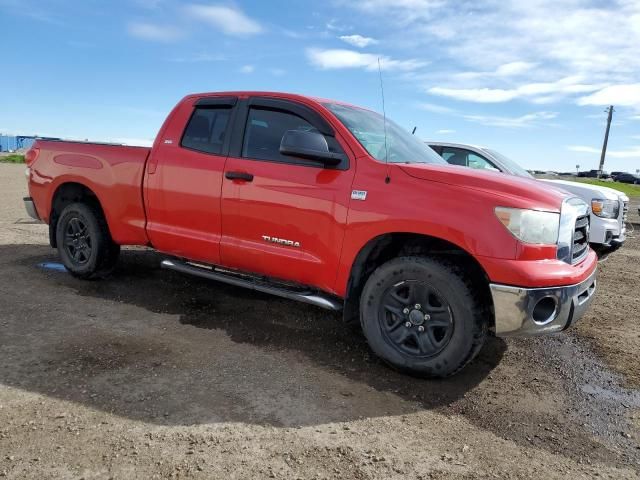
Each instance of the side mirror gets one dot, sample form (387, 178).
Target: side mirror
(311, 145)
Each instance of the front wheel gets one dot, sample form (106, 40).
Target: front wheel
(421, 316)
(84, 242)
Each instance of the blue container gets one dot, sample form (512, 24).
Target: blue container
(9, 143)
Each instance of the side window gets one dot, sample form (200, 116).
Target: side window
(455, 156)
(206, 129)
(481, 163)
(264, 132)
(466, 158)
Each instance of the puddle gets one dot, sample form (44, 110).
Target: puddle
(624, 397)
(56, 267)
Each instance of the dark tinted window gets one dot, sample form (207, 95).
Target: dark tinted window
(264, 132)
(206, 129)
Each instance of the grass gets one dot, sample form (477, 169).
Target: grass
(627, 188)
(12, 158)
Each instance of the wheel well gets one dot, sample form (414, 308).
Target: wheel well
(391, 245)
(64, 195)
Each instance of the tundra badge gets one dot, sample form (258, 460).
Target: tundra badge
(281, 241)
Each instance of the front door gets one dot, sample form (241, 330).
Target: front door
(283, 216)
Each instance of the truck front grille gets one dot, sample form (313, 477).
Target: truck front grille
(580, 239)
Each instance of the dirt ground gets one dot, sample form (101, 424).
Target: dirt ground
(613, 326)
(150, 374)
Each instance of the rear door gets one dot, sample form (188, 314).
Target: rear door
(184, 180)
(283, 216)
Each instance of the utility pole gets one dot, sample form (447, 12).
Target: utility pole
(606, 140)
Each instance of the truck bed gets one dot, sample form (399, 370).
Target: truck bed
(112, 172)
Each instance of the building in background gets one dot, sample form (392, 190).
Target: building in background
(12, 143)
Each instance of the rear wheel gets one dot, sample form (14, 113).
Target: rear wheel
(84, 243)
(422, 317)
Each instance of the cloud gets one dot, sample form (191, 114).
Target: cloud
(340, 58)
(621, 95)
(247, 69)
(445, 131)
(156, 33)
(401, 11)
(229, 20)
(527, 120)
(432, 107)
(592, 40)
(521, 121)
(514, 68)
(277, 72)
(480, 95)
(510, 69)
(541, 92)
(335, 26)
(633, 152)
(358, 40)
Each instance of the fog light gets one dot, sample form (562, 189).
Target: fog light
(545, 310)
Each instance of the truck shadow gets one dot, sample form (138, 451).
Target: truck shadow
(159, 347)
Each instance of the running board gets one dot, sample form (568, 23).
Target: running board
(318, 299)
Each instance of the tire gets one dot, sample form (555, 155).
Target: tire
(84, 242)
(448, 323)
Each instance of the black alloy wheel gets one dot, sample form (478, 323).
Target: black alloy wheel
(416, 319)
(424, 316)
(77, 240)
(84, 242)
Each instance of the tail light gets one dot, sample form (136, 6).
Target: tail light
(31, 156)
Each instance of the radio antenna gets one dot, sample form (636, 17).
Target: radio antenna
(387, 179)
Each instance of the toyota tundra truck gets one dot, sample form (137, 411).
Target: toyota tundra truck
(332, 205)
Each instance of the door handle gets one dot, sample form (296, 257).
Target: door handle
(247, 177)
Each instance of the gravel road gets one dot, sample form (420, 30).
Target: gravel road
(150, 374)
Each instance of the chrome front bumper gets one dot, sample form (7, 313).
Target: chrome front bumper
(30, 207)
(536, 311)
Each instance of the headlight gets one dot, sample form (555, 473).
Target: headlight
(530, 226)
(605, 208)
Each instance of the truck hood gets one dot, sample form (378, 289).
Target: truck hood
(587, 191)
(526, 192)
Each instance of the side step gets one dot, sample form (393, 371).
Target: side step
(316, 298)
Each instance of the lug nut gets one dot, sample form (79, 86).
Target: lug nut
(421, 328)
(405, 311)
(408, 324)
(427, 317)
(418, 306)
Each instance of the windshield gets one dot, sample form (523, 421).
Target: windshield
(510, 164)
(369, 129)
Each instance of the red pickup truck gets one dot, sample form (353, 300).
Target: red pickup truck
(332, 205)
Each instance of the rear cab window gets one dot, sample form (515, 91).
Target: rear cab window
(207, 128)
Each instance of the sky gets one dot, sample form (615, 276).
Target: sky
(529, 78)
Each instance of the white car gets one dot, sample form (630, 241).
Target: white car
(609, 207)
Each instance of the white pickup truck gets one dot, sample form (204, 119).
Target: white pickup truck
(609, 207)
